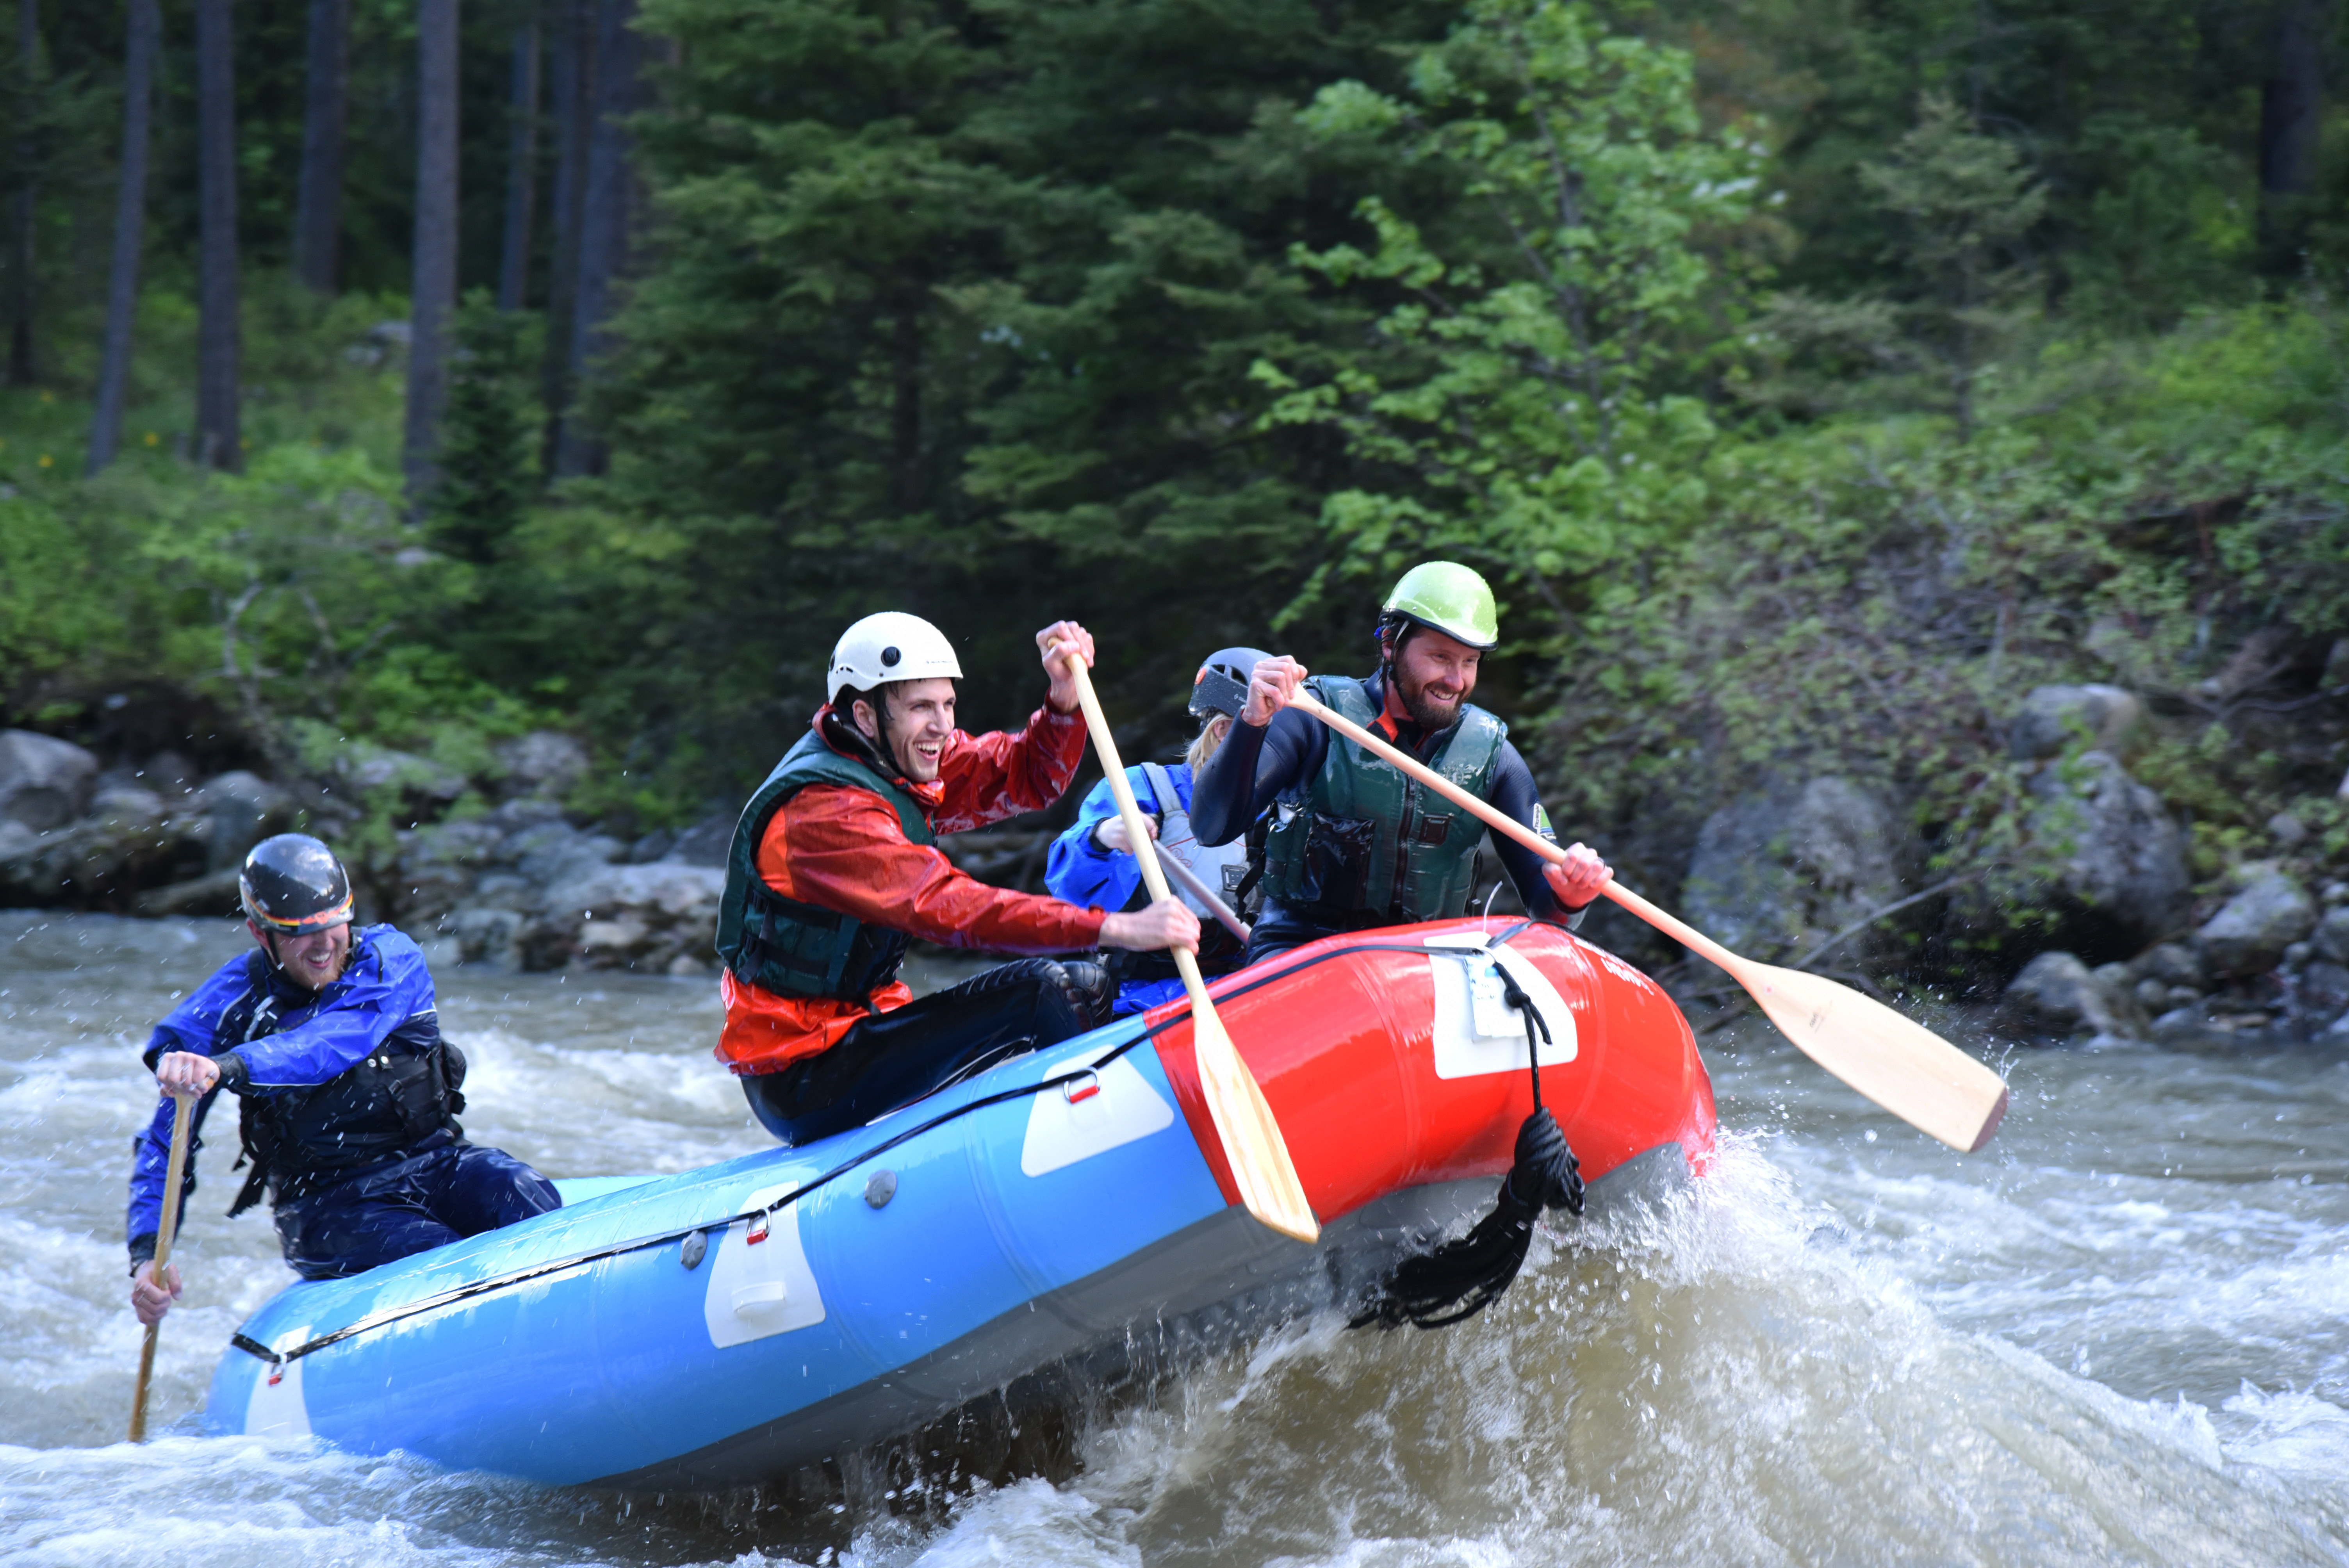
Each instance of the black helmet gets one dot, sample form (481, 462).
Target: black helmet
(1221, 686)
(294, 884)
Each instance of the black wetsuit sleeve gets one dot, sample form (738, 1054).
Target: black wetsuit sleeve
(1250, 769)
(1514, 796)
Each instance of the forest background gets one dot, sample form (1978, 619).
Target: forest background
(1813, 381)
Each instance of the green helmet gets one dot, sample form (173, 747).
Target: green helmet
(1451, 598)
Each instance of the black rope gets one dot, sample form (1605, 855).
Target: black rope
(1462, 1277)
(620, 1249)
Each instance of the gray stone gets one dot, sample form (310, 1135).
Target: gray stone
(2120, 857)
(375, 770)
(2058, 993)
(545, 762)
(706, 843)
(2337, 892)
(2151, 994)
(2249, 933)
(2183, 996)
(1777, 871)
(2298, 953)
(2287, 829)
(643, 917)
(2325, 984)
(44, 782)
(2056, 717)
(216, 893)
(2179, 1022)
(485, 935)
(242, 808)
(2171, 961)
(2331, 936)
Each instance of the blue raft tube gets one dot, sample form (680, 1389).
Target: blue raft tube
(722, 1327)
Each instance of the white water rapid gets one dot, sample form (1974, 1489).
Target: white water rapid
(2119, 1335)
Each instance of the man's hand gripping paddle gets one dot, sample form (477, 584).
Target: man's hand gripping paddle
(181, 1104)
(1901, 1064)
(1253, 1145)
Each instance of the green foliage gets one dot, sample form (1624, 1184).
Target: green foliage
(488, 472)
(1530, 399)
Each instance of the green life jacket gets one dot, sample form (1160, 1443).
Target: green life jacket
(796, 949)
(1357, 845)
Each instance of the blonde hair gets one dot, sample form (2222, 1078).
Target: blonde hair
(1209, 738)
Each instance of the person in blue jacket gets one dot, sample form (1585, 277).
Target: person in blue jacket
(330, 1039)
(1092, 864)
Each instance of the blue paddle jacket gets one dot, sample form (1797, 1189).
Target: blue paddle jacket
(385, 987)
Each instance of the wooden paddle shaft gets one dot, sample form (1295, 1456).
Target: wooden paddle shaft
(1198, 888)
(1501, 822)
(182, 1107)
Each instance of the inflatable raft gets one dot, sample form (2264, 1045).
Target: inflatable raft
(718, 1327)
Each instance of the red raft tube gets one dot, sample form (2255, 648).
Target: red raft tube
(1390, 1065)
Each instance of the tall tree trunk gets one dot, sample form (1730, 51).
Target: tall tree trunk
(521, 171)
(573, 87)
(21, 265)
(146, 31)
(2291, 108)
(325, 117)
(603, 213)
(219, 336)
(433, 284)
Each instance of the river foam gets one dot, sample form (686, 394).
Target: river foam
(2121, 1336)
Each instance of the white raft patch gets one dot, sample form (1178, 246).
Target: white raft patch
(277, 1409)
(763, 1288)
(1476, 1030)
(1067, 1125)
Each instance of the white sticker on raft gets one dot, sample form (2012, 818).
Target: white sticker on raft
(1476, 1030)
(1066, 1125)
(762, 1287)
(276, 1410)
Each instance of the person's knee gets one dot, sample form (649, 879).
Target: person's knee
(494, 1190)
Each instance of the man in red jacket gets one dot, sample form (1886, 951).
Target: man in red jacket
(835, 868)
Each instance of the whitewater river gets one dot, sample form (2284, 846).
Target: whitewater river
(2121, 1336)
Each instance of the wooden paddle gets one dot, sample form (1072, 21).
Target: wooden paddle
(181, 1104)
(1206, 895)
(1253, 1145)
(1901, 1064)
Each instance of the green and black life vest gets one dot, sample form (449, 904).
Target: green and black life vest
(796, 949)
(1357, 844)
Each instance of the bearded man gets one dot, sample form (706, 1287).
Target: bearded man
(1348, 841)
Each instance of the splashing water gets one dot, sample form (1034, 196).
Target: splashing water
(2120, 1335)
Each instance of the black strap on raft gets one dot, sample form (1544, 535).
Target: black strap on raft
(467, 1292)
(1461, 1278)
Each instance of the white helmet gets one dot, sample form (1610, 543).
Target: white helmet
(889, 646)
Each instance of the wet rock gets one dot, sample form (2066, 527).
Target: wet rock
(486, 935)
(2056, 717)
(2172, 963)
(705, 843)
(2298, 953)
(44, 782)
(369, 775)
(2057, 992)
(643, 917)
(2151, 994)
(2330, 938)
(2251, 930)
(1780, 870)
(2122, 861)
(2287, 829)
(2326, 984)
(129, 841)
(239, 810)
(216, 893)
(545, 762)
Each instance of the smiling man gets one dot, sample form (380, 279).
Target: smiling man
(329, 1036)
(835, 869)
(1348, 842)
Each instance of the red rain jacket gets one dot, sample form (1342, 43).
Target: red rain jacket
(842, 847)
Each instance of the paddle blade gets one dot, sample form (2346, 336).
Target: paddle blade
(1257, 1154)
(1901, 1064)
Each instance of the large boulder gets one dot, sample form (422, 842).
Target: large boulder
(239, 809)
(2332, 934)
(2250, 931)
(1779, 871)
(130, 840)
(545, 762)
(661, 917)
(2058, 993)
(44, 782)
(2119, 861)
(2054, 718)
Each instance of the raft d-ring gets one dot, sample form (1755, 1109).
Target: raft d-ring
(1079, 1090)
(276, 1374)
(758, 1231)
